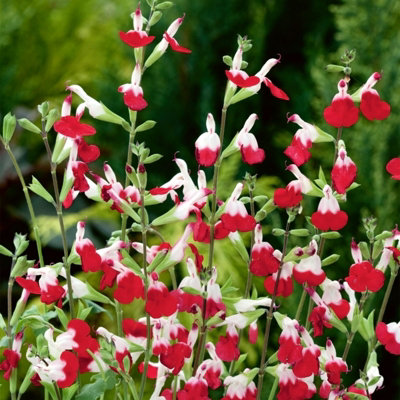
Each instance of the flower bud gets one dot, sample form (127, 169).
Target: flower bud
(9, 123)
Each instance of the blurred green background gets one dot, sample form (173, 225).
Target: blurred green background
(46, 44)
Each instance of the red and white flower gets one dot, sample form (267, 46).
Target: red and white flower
(214, 302)
(137, 37)
(289, 342)
(389, 336)
(333, 299)
(211, 368)
(133, 92)
(246, 142)
(239, 387)
(298, 150)
(208, 144)
(12, 356)
(227, 346)
(344, 171)
(333, 365)
(371, 104)
(263, 261)
(285, 285)
(238, 77)
(309, 270)
(62, 370)
(329, 216)
(235, 217)
(160, 301)
(342, 112)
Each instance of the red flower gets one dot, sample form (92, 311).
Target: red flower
(344, 172)
(393, 167)
(291, 196)
(363, 276)
(241, 78)
(319, 319)
(208, 145)
(70, 369)
(160, 302)
(11, 362)
(275, 91)
(71, 127)
(175, 45)
(174, 357)
(227, 346)
(371, 105)
(342, 112)
(263, 262)
(389, 336)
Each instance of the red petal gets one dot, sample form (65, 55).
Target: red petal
(393, 167)
(135, 39)
(238, 80)
(275, 91)
(70, 369)
(88, 152)
(341, 113)
(71, 127)
(288, 197)
(343, 177)
(206, 157)
(28, 284)
(297, 153)
(251, 156)
(373, 107)
(175, 45)
(129, 287)
(329, 221)
(135, 103)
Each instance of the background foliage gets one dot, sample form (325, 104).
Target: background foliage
(46, 43)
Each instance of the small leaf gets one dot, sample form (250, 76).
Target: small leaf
(5, 252)
(146, 126)
(364, 250)
(300, 232)
(278, 232)
(331, 235)
(244, 65)
(191, 290)
(9, 124)
(227, 60)
(62, 317)
(152, 158)
(377, 249)
(330, 260)
(28, 125)
(240, 361)
(321, 175)
(51, 118)
(164, 5)
(384, 235)
(68, 393)
(36, 187)
(155, 18)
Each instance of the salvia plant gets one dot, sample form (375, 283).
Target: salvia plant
(186, 342)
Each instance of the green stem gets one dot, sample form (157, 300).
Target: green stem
(146, 286)
(58, 206)
(203, 332)
(301, 305)
(175, 387)
(273, 389)
(28, 202)
(351, 335)
(261, 371)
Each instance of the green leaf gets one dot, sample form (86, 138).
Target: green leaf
(131, 263)
(377, 249)
(68, 393)
(356, 396)
(191, 290)
(28, 125)
(364, 250)
(50, 388)
(20, 243)
(36, 187)
(265, 210)
(278, 232)
(51, 118)
(2, 323)
(62, 317)
(338, 324)
(331, 235)
(5, 252)
(152, 158)
(239, 246)
(164, 5)
(300, 232)
(240, 361)
(145, 126)
(279, 318)
(9, 124)
(227, 60)
(321, 175)
(330, 260)
(155, 18)
(323, 136)
(21, 266)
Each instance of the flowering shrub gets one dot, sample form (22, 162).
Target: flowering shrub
(186, 344)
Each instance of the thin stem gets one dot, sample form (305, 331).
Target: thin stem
(203, 332)
(338, 137)
(57, 390)
(175, 387)
(146, 286)
(58, 206)
(301, 304)
(351, 335)
(261, 371)
(28, 202)
(273, 389)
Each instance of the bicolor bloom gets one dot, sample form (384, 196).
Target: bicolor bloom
(227, 346)
(334, 365)
(237, 76)
(371, 104)
(332, 298)
(208, 144)
(48, 286)
(291, 387)
(362, 275)
(12, 356)
(214, 303)
(247, 143)
(393, 167)
(175, 46)
(263, 262)
(321, 315)
(137, 37)
(285, 284)
(235, 217)
(329, 216)
(289, 342)
(175, 355)
(133, 92)
(342, 112)
(344, 171)
(71, 127)
(298, 150)
(389, 336)
(62, 370)
(160, 301)
(239, 388)
(211, 368)
(309, 270)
